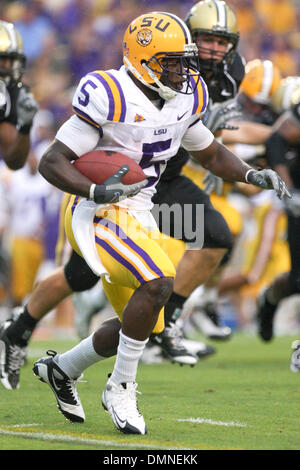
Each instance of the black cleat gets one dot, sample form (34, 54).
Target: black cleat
(12, 358)
(265, 317)
(63, 387)
(170, 341)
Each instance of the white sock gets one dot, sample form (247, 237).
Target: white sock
(128, 356)
(79, 358)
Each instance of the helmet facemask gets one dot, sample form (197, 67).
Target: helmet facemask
(163, 65)
(216, 61)
(15, 71)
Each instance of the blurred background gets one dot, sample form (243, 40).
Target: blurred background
(65, 39)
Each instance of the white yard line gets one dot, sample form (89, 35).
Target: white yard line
(210, 421)
(44, 436)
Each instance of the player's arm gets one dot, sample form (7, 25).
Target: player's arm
(56, 167)
(251, 133)
(286, 131)
(14, 146)
(222, 162)
(15, 140)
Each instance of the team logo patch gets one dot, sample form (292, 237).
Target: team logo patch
(144, 37)
(138, 118)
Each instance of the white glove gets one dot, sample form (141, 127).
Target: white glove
(213, 183)
(27, 107)
(292, 205)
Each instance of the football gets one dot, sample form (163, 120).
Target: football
(99, 165)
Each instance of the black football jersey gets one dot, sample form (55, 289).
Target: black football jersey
(222, 86)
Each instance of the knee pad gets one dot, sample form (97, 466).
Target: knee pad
(78, 274)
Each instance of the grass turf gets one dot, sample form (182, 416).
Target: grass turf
(242, 398)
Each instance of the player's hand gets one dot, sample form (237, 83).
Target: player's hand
(3, 99)
(292, 205)
(113, 190)
(219, 115)
(268, 179)
(27, 107)
(213, 183)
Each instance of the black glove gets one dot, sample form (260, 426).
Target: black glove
(268, 179)
(113, 190)
(26, 110)
(3, 99)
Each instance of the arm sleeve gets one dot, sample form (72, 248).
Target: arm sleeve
(78, 136)
(197, 137)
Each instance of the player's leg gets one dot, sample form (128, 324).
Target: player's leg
(48, 293)
(129, 264)
(283, 286)
(197, 264)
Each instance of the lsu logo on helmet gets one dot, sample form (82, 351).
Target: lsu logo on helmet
(144, 37)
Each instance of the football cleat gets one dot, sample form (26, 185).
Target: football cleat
(152, 354)
(295, 359)
(121, 403)
(63, 387)
(12, 358)
(207, 320)
(265, 317)
(170, 341)
(197, 348)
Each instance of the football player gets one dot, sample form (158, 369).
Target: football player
(214, 29)
(283, 153)
(17, 105)
(156, 82)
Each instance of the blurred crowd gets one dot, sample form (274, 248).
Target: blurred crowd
(63, 40)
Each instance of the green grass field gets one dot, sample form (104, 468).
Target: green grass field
(243, 397)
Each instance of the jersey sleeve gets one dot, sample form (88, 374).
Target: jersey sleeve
(197, 137)
(90, 101)
(79, 136)
(99, 98)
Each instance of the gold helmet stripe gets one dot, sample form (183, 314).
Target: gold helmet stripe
(286, 99)
(12, 34)
(221, 13)
(267, 80)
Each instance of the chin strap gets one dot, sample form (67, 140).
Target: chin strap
(164, 92)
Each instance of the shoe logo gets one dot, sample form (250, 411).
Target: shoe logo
(121, 423)
(57, 387)
(180, 117)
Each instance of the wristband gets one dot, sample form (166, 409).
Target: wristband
(24, 129)
(92, 191)
(247, 174)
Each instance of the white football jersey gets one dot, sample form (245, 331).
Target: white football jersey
(116, 115)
